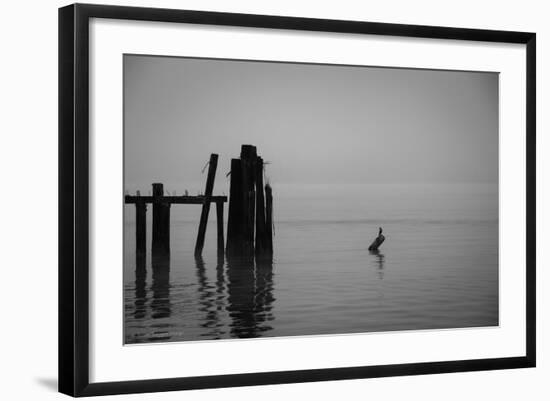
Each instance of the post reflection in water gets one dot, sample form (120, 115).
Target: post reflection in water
(250, 297)
(220, 284)
(210, 299)
(232, 299)
(379, 261)
(160, 288)
(140, 289)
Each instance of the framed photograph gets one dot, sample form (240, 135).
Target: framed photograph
(251, 199)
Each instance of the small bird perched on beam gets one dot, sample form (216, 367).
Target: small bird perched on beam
(377, 241)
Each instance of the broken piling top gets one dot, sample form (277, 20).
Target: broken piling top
(248, 152)
(158, 189)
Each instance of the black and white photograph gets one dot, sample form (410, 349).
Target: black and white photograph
(277, 199)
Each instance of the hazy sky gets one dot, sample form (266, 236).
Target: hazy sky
(313, 123)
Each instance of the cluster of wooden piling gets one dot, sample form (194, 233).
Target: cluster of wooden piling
(249, 226)
(250, 217)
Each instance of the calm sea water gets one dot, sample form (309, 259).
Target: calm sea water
(438, 267)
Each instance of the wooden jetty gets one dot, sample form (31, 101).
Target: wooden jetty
(161, 214)
(250, 216)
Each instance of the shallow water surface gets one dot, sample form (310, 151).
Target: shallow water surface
(437, 269)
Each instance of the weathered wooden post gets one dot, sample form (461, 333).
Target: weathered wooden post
(219, 216)
(206, 203)
(166, 226)
(158, 190)
(235, 213)
(248, 172)
(141, 226)
(161, 220)
(260, 246)
(269, 220)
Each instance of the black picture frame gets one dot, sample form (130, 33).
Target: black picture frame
(74, 198)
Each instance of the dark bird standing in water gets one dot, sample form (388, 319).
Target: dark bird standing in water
(377, 241)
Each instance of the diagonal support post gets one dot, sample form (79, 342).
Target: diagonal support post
(213, 164)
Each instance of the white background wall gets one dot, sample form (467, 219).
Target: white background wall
(28, 160)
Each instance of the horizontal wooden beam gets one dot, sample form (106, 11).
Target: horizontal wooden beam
(186, 200)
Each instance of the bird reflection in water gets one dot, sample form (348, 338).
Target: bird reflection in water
(250, 296)
(378, 262)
